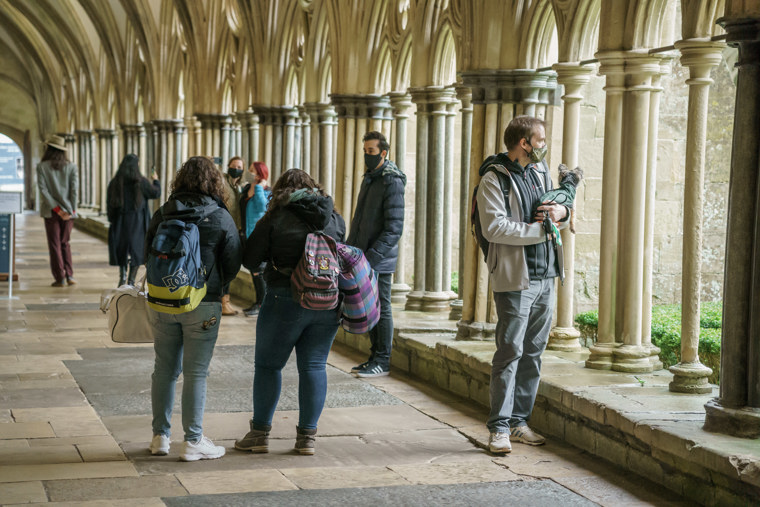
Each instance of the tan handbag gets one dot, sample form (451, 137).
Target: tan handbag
(127, 311)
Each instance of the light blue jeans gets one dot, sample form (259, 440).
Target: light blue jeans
(183, 343)
(522, 332)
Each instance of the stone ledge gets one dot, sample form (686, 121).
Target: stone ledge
(635, 423)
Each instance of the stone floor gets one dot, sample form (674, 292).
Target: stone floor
(75, 421)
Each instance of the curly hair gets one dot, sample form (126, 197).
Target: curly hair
(199, 175)
(290, 181)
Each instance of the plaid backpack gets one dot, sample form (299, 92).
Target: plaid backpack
(358, 284)
(314, 281)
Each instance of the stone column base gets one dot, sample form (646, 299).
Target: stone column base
(632, 359)
(399, 292)
(601, 356)
(435, 301)
(475, 331)
(654, 357)
(741, 422)
(456, 309)
(414, 301)
(564, 339)
(690, 378)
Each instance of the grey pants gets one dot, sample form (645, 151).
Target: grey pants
(522, 332)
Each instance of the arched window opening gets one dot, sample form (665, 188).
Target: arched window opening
(11, 165)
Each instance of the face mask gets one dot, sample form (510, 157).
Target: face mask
(538, 154)
(235, 173)
(372, 161)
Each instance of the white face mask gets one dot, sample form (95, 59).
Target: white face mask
(248, 177)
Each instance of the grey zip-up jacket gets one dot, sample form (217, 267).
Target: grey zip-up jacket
(507, 233)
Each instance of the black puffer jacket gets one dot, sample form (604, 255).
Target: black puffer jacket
(379, 217)
(220, 242)
(280, 236)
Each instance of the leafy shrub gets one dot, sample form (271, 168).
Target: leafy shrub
(666, 333)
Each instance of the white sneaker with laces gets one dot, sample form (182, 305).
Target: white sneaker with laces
(202, 449)
(525, 435)
(159, 446)
(498, 443)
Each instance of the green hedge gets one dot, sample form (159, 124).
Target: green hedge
(666, 333)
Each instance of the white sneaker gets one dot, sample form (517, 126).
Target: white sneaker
(525, 435)
(159, 446)
(498, 443)
(202, 449)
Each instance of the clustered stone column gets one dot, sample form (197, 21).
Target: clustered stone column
(322, 120)
(357, 115)
(497, 97)
(106, 162)
(86, 174)
(434, 174)
(249, 129)
(280, 138)
(631, 83)
(573, 77)
(168, 151)
(464, 95)
(737, 410)
(215, 136)
(400, 104)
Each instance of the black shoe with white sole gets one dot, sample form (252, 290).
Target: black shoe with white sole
(373, 369)
(359, 367)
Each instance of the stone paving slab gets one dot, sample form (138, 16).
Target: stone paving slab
(110, 489)
(18, 473)
(527, 494)
(22, 493)
(235, 481)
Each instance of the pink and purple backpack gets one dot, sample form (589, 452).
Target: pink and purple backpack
(358, 284)
(314, 281)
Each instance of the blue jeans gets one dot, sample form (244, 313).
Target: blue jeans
(522, 332)
(282, 326)
(183, 343)
(381, 336)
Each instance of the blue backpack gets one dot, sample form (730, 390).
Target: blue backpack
(176, 276)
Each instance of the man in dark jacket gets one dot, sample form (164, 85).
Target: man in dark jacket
(376, 229)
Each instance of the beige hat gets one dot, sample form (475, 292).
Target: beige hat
(57, 142)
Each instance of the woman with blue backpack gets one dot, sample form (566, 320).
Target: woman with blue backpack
(298, 207)
(193, 250)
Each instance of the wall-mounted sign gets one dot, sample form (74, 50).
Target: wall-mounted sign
(10, 203)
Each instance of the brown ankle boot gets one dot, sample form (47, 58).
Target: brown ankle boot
(305, 441)
(256, 440)
(227, 308)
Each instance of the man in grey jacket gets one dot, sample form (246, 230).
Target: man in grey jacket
(376, 229)
(522, 263)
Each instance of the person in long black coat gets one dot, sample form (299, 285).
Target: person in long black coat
(128, 213)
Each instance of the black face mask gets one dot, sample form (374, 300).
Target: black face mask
(235, 173)
(372, 161)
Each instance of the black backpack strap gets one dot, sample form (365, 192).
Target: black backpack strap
(505, 182)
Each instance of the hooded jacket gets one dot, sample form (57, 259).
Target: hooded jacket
(221, 251)
(512, 259)
(379, 217)
(280, 236)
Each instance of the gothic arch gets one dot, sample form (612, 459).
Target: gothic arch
(577, 28)
(539, 40)
(444, 58)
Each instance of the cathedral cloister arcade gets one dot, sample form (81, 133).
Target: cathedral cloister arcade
(626, 87)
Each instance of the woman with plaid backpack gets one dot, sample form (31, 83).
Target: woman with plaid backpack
(298, 207)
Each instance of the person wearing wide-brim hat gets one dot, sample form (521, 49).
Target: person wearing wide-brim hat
(58, 181)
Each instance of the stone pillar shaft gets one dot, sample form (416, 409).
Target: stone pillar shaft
(701, 57)
(737, 410)
(564, 336)
(400, 103)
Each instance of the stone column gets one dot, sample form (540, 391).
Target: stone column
(400, 103)
(322, 164)
(690, 375)
(252, 133)
(304, 142)
(291, 150)
(356, 116)
(737, 410)
(414, 298)
(180, 153)
(225, 127)
(612, 65)
(84, 148)
(448, 197)
(464, 95)
(105, 163)
(142, 149)
(573, 77)
(633, 355)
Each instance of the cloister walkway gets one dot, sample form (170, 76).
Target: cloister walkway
(75, 421)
